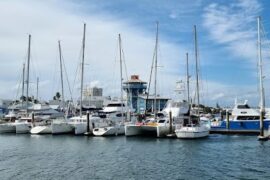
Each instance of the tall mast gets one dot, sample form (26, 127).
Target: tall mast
(262, 99)
(37, 88)
(27, 74)
(82, 68)
(23, 83)
(262, 102)
(61, 72)
(187, 78)
(197, 67)
(121, 76)
(155, 98)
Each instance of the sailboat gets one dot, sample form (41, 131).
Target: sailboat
(158, 126)
(54, 124)
(117, 126)
(245, 118)
(149, 127)
(8, 122)
(195, 128)
(79, 123)
(21, 125)
(61, 125)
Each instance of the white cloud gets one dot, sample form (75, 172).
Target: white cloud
(49, 21)
(234, 25)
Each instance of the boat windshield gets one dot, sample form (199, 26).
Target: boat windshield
(173, 104)
(248, 117)
(115, 105)
(243, 106)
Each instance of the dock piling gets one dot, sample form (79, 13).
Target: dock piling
(227, 120)
(170, 120)
(33, 119)
(88, 122)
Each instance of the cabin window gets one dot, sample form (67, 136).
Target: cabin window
(120, 115)
(115, 105)
(248, 117)
(161, 121)
(243, 106)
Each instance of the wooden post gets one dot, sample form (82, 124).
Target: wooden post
(33, 119)
(227, 120)
(88, 122)
(170, 115)
(261, 124)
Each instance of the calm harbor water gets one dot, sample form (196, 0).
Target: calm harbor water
(79, 157)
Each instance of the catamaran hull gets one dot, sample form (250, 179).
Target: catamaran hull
(7, 128)
(109, 131)
(140, 130)
(191, 132)
(80, 128)
(23, 128)
(62, 128)
(163, 131)
(41, 130)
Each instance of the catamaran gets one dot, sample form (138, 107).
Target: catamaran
(194, 128)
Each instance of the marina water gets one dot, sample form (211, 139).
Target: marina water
(81, 157)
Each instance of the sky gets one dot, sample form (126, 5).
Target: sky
(227, 46)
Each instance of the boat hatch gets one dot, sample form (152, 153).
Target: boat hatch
(162, 121)
(120, 115)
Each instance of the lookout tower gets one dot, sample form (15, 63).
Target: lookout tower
(134, 87)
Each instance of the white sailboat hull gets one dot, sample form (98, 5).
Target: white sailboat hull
(80, 128)
(22, 128)
(162, 131)
(192, 132)
(109, 131)
(136, 130)
(7, 128)
(41, 130)
(62, 128)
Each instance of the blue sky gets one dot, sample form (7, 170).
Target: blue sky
(226, 33)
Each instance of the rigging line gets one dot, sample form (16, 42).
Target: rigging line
(114, 72)
(151, 72)
(33, 61)
(126, 73)
(265, 37)
(124, 61)
(18, 75)
(18, 84)
(77, 71)
(66, 75)
(54, 78)
(161, 73)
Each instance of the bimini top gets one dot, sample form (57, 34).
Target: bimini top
(135, 79)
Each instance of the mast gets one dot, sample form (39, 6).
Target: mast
(82, 68)
(23, 83)
(121, 76)
(187, 71)
(262, 99)
(155, 93)
(37, 88)
(197, 67)
(27, 73)
(61, 72)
